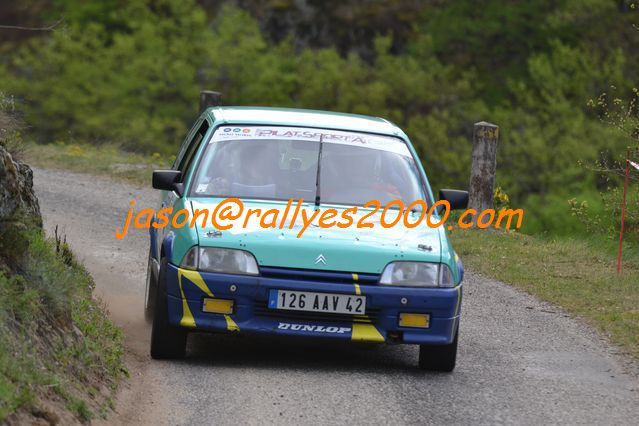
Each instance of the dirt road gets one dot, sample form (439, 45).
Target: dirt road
(520, 360)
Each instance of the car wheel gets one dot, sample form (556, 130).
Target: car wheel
(150, 291)
(167, 341)
(438, 357)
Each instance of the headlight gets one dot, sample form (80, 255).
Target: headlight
(417, 274)
(226, 261)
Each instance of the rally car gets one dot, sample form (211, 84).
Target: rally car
(397, 284)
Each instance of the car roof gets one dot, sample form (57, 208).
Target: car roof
(303, 118)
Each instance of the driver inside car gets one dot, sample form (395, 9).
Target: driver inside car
(349, 174)
(254, 167)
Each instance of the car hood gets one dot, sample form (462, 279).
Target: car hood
(359, 250)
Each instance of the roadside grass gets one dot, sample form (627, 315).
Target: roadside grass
(578, 275)
(56, 343)
(108, 160)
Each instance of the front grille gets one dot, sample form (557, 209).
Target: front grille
(262, 310)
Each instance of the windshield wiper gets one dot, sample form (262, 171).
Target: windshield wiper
(317, 181)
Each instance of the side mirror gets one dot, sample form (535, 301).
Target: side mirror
(168, 180)
(458, 199)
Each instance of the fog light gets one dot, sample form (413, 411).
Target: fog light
(414, 320)
(218, 306)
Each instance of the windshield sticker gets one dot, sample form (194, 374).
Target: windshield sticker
(201, 187)
(384, 143)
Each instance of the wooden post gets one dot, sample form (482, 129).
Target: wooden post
(484, 166)
(209, 98)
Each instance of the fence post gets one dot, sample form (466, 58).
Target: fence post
(484, 166)
(209, 98)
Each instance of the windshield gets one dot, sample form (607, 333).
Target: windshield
(279, 163)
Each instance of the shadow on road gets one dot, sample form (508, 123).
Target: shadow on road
(290, 353)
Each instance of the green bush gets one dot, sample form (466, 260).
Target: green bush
(135, 86)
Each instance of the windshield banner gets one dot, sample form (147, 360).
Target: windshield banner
(364, 140)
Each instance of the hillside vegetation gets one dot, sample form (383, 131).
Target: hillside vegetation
(550, 73)
(60, 357)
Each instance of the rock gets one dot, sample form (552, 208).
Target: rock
(16, 188)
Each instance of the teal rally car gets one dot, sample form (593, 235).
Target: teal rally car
(397, 284)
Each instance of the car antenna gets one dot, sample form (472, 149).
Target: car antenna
(317, 181)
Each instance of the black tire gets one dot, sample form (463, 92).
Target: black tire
(167, 341)
(151, 291)
(438, 357)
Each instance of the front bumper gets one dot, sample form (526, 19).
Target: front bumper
(187, 289)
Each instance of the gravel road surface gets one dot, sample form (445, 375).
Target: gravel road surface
(520, 360)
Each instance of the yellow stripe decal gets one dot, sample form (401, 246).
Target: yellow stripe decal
(456, 320)
(362, 318)
(196, 278)
(230, 324)
(187, 316)
(363, 329)
(458, 300)
(358, 291)
(366, 333)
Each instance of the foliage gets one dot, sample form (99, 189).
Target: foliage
(54, 336)
(48, 315)
(128, 73)
(134, 86)
(10, 135)
(604, 219)
(500, 199)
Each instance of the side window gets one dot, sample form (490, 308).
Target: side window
(191, 149)
(185, 143)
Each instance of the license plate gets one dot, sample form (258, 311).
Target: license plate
(317, 302)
